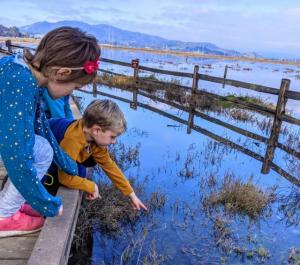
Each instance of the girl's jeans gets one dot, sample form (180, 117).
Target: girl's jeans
(10, 199)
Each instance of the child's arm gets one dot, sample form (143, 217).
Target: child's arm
(73, 149)
(18, 90)
(76, 182)
(102, 157)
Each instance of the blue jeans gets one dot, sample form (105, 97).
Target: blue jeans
(10, 198)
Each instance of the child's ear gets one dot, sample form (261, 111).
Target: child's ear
(96, 129)
(63, 73)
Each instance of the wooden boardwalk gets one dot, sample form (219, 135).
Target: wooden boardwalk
(52, 245)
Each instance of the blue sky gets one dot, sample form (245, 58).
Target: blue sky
(267, 26)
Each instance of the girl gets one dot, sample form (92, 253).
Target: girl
(65, 59)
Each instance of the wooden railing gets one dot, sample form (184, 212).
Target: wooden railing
(283, 94)
(279, 114)
(201, 130)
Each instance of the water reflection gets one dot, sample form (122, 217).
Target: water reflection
(185, 170)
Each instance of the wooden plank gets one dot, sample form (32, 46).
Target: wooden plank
(94, 89)
(16, 247)
(280, 108)
(225, 74)
(259, 88)
(13, 262)
(111, 73)
(166, 72)
(55, 239)
(192, 103)
(135, 63)
(115, 62)
(53, 244)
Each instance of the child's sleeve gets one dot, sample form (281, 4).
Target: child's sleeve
(102, 157)
(74, 182)
(17, 106)
(61, 158)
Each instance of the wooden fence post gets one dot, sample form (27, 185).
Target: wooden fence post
(225, 75)
(192, 103)
(273, 140)
(8, 45)
(94, 89)
(135, 66)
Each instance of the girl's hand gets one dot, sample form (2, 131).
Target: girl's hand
(136, 202)
(95, 195)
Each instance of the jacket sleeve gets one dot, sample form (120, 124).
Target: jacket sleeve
(61, 158)
(74, 182)
(18, 92)
(102, 157)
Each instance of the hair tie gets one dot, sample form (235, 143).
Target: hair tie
(91, 67)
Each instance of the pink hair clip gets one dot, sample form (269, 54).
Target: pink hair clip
(91, 66)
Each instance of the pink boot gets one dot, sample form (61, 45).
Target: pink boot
(20, 224)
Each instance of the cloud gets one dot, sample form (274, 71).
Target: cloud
(243, 24)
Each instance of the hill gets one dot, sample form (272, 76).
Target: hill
(116, 36)
(10, 32)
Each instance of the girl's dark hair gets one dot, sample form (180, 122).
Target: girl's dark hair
(65, 47)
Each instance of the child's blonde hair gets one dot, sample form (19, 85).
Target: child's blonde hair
(65, 47)
(106, 114)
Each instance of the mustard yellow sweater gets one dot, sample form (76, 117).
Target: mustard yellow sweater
(76, 146)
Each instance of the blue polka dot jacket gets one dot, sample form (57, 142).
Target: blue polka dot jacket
(21, 116)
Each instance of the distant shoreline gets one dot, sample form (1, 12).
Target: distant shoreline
(167, 52)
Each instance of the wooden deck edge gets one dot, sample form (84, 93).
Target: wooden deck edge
(54, 242)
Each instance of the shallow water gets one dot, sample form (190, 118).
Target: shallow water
(178, 165)
(183, 232)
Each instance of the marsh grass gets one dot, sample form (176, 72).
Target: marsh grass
(241, 197)
(173, 92)
(294, 256)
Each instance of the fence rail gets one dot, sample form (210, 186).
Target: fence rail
(283, 94)
(199, 129)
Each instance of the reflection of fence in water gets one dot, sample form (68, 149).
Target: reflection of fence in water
(279, 112)
(201, 130)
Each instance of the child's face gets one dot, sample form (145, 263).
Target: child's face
(58, 89)
(105, 138)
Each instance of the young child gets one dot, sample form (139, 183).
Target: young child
(66, 58)
(86, 141)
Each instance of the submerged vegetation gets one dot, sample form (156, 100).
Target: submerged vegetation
(239, 197)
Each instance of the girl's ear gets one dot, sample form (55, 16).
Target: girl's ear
(63, 73)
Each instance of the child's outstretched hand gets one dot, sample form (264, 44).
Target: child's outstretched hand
(136, 202)
(95, 195)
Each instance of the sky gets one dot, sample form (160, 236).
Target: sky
(267, 27)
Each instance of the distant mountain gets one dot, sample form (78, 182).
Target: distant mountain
(10, 32)
(112, 35)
